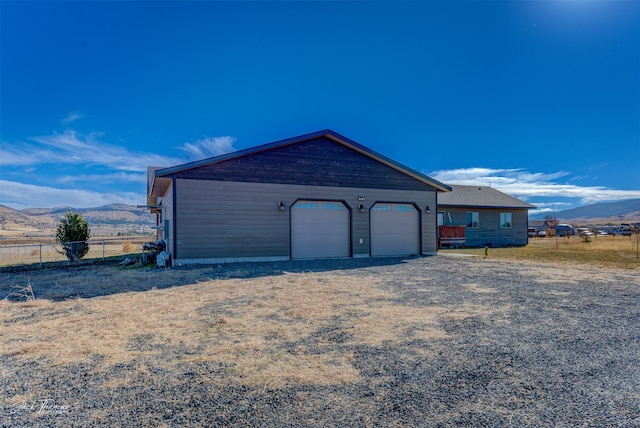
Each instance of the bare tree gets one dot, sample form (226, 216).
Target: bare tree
(552, 223)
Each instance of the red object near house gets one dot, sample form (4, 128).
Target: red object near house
(453, 236)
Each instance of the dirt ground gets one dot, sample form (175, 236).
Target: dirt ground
(435, 341)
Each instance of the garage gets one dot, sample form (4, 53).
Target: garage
(395, 229)
(319, 229)
(311, 196)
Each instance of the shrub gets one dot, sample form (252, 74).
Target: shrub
(24, 292)
(72, 234)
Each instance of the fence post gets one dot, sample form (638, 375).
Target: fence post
(103, 250)
(40, 251)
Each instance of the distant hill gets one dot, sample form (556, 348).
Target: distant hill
(627, 211)
(9, 215)
(106, 220)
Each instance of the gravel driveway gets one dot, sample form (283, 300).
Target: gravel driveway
(502, 344)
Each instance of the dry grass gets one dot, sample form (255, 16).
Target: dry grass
(27, 252)
(428, 341)
(246, 324)
(604, 251)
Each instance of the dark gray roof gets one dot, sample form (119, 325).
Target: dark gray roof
(480, 197)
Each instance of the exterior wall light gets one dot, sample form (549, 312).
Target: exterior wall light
(427, 209)
(281, 205)
(361, 208)
(361, 198)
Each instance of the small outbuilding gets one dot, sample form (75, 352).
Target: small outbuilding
(319, 195)
(484, 216)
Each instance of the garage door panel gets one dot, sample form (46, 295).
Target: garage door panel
(319, 229)
(395, 230)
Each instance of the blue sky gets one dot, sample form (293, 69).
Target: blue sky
(539, 99)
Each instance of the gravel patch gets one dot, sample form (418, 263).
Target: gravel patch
(501, 344)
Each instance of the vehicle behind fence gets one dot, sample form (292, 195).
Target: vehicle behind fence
(45, 252)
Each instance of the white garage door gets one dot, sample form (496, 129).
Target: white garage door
(394, 230)
(319, 229)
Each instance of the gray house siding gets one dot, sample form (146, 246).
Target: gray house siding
(489, 232)
(167, 216)
(229, 220)
(233, 221)
(315, 162)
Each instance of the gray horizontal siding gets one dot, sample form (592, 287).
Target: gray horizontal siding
(225, 220)
(167, 214)
(317, 162)
(490, 233)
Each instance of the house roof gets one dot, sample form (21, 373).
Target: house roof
(480, 197)
(537, 223)
(159, 174)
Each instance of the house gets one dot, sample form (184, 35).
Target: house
(319, 195)
(539, 225)
(484, 215)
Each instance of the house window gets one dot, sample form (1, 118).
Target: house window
(405, 208)
(334, 206)
(306, 206)
(378, 207)
(473, 219)
(505, 220)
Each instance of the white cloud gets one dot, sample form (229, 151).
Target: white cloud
(487, 176)
(117, 177)
(526, 185)
(71, 117)
(19, 195)
(73, 148)
(209, 147)
(111, 166)
(549, 207)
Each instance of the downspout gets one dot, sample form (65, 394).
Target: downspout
(174, 226)
(436, 230)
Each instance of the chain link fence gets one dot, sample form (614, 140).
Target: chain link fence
(46, 252)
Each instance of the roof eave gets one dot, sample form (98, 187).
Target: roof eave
(158, 187)
(530, 207)
(324, 133)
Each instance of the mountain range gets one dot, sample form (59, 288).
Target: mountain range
(111, 219)
(627, 211)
